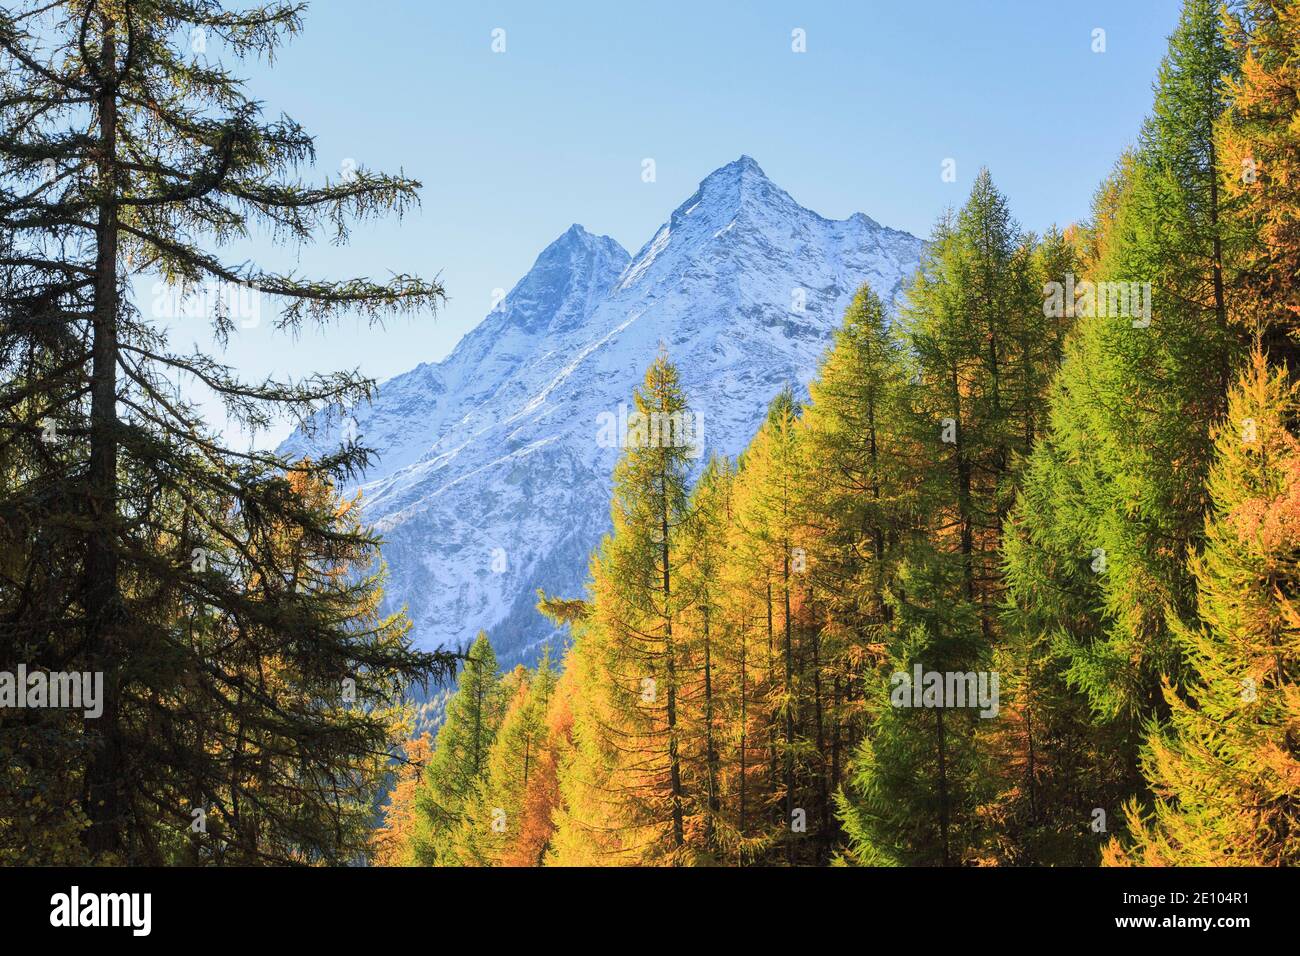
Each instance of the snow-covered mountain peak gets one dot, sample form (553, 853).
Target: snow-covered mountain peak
(576, 245)
(730, 191)
(740, 181)
(491, 481)
(564, 280)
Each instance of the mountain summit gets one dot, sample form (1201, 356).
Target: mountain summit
(491, 481)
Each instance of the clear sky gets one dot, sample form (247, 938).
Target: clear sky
(514, 146)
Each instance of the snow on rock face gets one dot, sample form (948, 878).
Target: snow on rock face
(490, 480)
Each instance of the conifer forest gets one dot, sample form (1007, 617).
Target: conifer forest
(997, 566)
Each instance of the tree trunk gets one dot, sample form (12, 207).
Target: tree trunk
(478, 715)
(744, 638)
(943, 786)
(711, 756)
(105, 776)
(1220, 302)
(963, 496)
(836, 732)
(789, 711)
(771, 683)
(823, 791)
(674, 761)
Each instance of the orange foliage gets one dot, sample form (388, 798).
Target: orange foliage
(391, 844)
(542, 793)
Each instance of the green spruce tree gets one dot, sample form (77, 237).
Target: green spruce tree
(460, 757)
(975, 335)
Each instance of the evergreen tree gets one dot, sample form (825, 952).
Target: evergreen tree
(1044, 749)
(491, 821)
(1260, 161)
(857, 509)
(747, 661)
(769, 548)
(705, 637)
(460, 757)
(1115, 493)
(1060, 764)
(627, 800)
(977, 335)
(1225, 770)
(42, 818)
(125, 156)
(592, 825)
(1130, 414)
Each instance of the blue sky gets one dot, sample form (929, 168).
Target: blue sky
(513, 147)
